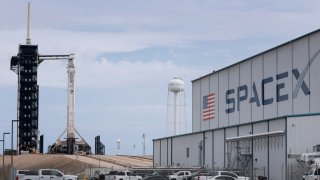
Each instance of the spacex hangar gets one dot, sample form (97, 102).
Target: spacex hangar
(257, 116)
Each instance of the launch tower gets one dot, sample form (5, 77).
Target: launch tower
(25, 65)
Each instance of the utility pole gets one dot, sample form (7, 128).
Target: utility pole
(144, 144)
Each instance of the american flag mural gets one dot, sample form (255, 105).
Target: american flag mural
(208, 108)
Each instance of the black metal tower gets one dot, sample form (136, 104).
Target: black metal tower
(99, 147)
(25, 65)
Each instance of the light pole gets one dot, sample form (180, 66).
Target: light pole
(144, 144)
(3, 142)
(2, 158)
(12, 140)
(118, 146)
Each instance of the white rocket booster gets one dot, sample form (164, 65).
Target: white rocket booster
(71, 100)
(71, 131)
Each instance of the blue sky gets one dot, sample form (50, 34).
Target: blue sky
(127, 51)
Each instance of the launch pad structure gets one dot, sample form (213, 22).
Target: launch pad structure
(25, 65)
(71, 145)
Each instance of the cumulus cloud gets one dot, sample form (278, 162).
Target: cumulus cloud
(93, 72)
(109, 74)
(94, 29)
(113, 74)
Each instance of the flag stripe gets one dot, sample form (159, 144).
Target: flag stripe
(208, 111)
(212, 117)
(209, 108)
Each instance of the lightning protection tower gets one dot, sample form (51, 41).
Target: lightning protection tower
(176, 112)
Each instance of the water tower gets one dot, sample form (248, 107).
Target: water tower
(176, 112)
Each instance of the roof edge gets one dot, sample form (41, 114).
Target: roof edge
(264, 120)
(251, 57)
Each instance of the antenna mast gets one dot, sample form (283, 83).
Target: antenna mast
(28, 41)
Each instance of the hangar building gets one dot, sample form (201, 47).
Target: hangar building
(256, 116)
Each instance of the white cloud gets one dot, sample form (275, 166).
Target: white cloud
(125, 74)
(95, 28)
(87, 46)
(109, 74)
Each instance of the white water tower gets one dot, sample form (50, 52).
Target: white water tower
(176, 112)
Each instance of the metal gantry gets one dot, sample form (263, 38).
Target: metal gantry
(25, 65)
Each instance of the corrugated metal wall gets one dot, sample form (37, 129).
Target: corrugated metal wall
(179, 150)
(208, 149)
(205, 82)
(156, 153)
(314, 42)
(196, 106)
(169, 151)
(260, 149)
(214, 154)
(246, 77)
(164, 152)
(303, 133)
(218, 148)
(261, 87)
(277, 151)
